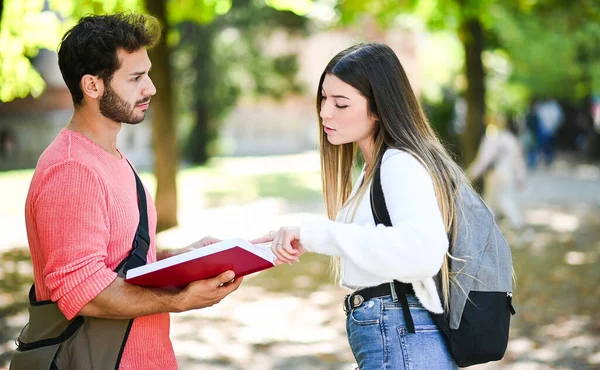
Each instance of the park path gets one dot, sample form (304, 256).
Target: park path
(291, 318)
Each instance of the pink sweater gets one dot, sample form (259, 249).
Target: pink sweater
(81, 214)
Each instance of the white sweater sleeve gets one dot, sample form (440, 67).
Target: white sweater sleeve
(413, 249)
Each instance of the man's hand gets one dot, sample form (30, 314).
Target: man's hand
(121, 300)
(205, 293)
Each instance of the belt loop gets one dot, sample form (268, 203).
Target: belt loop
(393, 291)
(347, 306)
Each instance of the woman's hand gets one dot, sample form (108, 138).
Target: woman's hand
(286, 245)
(166, 253)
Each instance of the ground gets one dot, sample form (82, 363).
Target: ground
(290, 317)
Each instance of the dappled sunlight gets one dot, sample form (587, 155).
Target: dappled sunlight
(293, 163)
(565, 343)
(587, 172)
(558, 221)
(16, 277)
(582, 171)
(580, 258)
(557, 323)
(256, 326)
(290, 317)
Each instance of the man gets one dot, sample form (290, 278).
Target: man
(82, 207)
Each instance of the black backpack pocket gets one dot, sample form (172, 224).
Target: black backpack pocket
(483, 332)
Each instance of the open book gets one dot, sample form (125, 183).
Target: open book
(178, 271)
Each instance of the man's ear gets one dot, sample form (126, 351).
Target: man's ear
(92, 86)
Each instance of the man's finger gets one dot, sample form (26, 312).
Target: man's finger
(223, 278)
(230, 287)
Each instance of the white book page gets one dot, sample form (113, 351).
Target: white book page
(261, 251)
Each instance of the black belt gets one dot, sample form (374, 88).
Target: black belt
(399, 290)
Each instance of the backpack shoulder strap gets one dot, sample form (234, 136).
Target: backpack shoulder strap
(382, 216)
(378, 206)
(141, 243)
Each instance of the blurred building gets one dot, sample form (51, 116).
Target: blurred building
(260, 127)
(270, 127)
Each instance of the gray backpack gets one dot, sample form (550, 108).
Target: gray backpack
(480, 304)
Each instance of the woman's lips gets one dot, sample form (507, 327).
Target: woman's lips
(328, 130)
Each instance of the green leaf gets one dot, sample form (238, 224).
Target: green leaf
(299, 7)
(201, 11)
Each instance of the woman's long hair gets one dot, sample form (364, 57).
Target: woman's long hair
(375, 71)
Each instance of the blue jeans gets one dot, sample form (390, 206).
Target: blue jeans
(379, 339)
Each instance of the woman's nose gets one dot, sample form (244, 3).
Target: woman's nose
(325, 112)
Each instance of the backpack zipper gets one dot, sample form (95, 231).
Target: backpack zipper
(509, 295)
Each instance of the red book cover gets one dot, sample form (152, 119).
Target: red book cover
(178, 271)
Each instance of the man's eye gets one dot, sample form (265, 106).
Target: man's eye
(137, 78)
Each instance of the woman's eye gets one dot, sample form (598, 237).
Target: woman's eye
(341, 106)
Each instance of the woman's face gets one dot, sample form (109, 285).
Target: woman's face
(345, 114)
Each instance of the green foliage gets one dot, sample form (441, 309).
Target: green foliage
(200, 11)
(27, 26)
(73, 10)
(24, 30)
(225, 59)
(438, 14)
(440, 58)
(542, 47)
(298, 7)
(553, 47)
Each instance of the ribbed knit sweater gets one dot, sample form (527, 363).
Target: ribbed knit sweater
(410, 251)
(82, 214)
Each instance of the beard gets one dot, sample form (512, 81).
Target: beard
(115, 108)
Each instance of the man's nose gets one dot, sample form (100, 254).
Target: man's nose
(150, 89)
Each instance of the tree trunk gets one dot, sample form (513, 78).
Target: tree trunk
(164, 136)
(471, 36)
(204, 89)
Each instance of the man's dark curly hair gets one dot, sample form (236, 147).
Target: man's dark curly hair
(91, 46)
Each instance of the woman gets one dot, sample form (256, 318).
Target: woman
(365, 102)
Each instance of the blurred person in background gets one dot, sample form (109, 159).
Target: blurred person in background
(551, 117)
(500, 160)
(366, 104)
(530, 135)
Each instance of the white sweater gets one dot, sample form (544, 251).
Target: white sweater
(412, 251)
